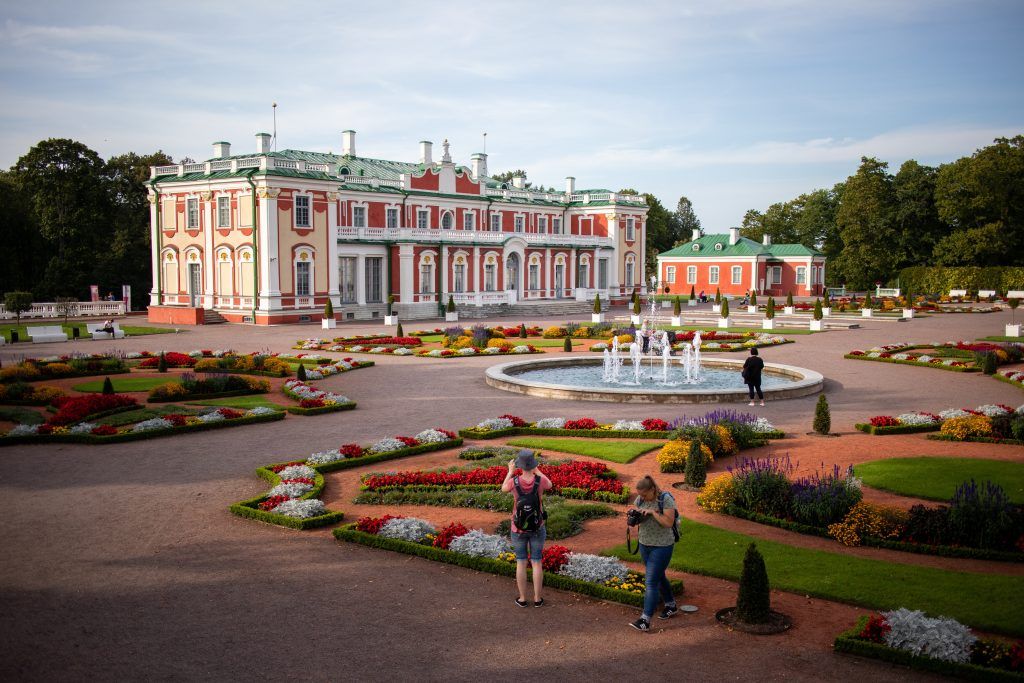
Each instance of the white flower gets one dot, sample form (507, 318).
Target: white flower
(82, 428)
(874, 354)
(402, 352)
(212, 416)
(406, 529)
(24, 430)
(761, 425)
(923, 358)
(491, 350)
(314, 375)
(712, 345)
(551, 423)
(479, 544)
(297, 472)
(949, 361)
(259, 410)
(939, 638)
(431, 436)
(468, 351)
(132, 355)
(301, 509)
(379, 349)
(900, 356)
(1020, 409)
(293, 490)
(991, 410)
(628, 426)
(521, 349)
(357, 348)
(435, 353)
(495, 423)
(600, 346)
(386, 445)
(593, 568)
(324, 457)
(152, 424)
(915, 419)
(950, 413)
(195, 354)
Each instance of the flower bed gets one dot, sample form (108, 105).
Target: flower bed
(942, 646)
(189, 387)
(71, 409)
(57, 367)
(502, 349)
(361, 341)
(269, 365)
(953, 356)
(1014, 377)
(575, 479)
(23, 394)
(956, 424)
(173, 359)
(314, 401)
(166, 425)
(484, 552)
(715, 341)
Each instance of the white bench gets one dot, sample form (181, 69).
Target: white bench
(957, 292)
(46, 333)
(1015, 294)
(96, 331)
(985, 293)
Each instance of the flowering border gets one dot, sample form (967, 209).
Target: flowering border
(299, 410)
(1005, 376)
(849, 642)
(350, 534)
(250, 508)
(474, 433)
(939, 366)
(380, 457)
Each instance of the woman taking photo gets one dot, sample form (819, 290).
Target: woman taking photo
(657, 536)
(528, 529)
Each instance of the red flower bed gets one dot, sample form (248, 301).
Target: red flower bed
(104, 430)
(582, 423)
(73, 409)
(979, 346)
(655, 424)
(582, 475)
(230, 413)
(707, 335)
(884, 421)
(351, 450)
(372, 525)
(554, 558)
(875, 629)
(450, 434)
(516, 421)
(859, 353)
(272, 502)
(446, 535)
(408, 441)
(173, 358)
(312, 403)
(175, 419)
(277, 468)
(299, 480)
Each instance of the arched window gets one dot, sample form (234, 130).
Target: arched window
(245, 272)
(447, 220)
(303, 271)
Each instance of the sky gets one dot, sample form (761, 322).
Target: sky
(736, 104)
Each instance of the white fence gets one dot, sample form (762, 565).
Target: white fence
(97, 309)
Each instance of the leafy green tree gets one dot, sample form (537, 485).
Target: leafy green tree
(662, 231)
(23, 262)
(725, 308)
(867, 225)
(917, 219)
(696, 472)
(17, 303)
(686, 220)
(769, 310)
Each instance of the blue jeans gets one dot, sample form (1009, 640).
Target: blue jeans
(656, 559)
(529, 544)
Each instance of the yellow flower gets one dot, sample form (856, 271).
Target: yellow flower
(718, 493)
(961, 428)
(672, 456)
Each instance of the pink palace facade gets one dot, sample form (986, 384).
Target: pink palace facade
(268, 237)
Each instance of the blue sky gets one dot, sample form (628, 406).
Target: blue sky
(735, 104)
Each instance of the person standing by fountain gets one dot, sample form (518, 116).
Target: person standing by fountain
(752, 368)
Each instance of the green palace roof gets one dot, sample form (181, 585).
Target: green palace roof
(717, 246)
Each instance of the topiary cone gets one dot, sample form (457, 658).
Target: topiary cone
(522, 331)
(789, 299)
(696, 472)
(451, 304)
(300, 372)
(108, 386)
(753, 297)
(399, 332)
(718, 295)
(329, 310)
(677, 308)
(818, 313)
(161, 365)
(725, 308)
(636, 306)
(753, 603)
(769, 311)
(597, 303)
(822, 416)
(693, 293)
(567, 346)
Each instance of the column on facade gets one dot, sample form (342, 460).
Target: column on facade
(333, 283)
(361, 279)
(573, 272)
(208, 260)
(548, 277)
(268, 290)
(155, 256)
(475, 271)
(753, 275)
(443, 265)
(406, 264)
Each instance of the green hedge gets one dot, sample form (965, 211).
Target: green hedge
(483, 564)
(474, 433)
(976, 439)
(299, 410)
(848, 642)
(1003, 378)
(566, 492)
(914, 363)
(348, 463)
(250, 508)
(918, 548)
(939, 280)
(136, 436)
(897, 429)
(72, 375)
(203, 397)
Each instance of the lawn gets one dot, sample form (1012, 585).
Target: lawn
(545, 343)
(937, 478)
(240, 402)
(130, 416)
(740, 330)
(1003, 339)
(21, 415)
(125, 383)
(129, 330)
(604, 449)
(986, 601)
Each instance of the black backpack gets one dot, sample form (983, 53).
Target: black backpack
(528, 515)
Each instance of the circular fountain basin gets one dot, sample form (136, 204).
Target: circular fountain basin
(579, 379)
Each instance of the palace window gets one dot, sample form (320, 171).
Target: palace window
(776, 275)
(713, 275)
(468, 218)
(737, 274)
(691, 275)
(423, 219)
(602, 273)
(192, 211)
(495, 223)
(303, 278)
(801, 275)
(426, 278)
(302, 211)
(460, 278)
(223, 212)
(542, 225)
(534, 276)
(583, 275)
(347, 279)
(359, 216)
(630, 229)
(520, 222)
(447, 220)
(374, 267)
(391, 218)
(670, 274)
(556, 226)
(490, 281)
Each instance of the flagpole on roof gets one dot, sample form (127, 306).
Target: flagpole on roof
(274, 107)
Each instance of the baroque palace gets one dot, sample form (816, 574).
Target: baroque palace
(269, 237)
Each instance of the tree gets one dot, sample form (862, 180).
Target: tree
(686, 220)
(398, 331)
(753, 297)
(567, 345)
(917, 218)
(66, 307)
(300, 372)
(818, 313)
(108, 386)
(450, 308)
(20, 268)
(597, 303)
(662, 231)
(329, 310)
(18, 303)
(753, 603)
(867, 225)
(1013, 304)
(822, 416)
(161, 364)
(677, 308)
(769, 311)
(789, 298)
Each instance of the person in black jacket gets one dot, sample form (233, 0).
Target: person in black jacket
(752, 368)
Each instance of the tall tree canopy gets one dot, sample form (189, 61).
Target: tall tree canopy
(867, 225)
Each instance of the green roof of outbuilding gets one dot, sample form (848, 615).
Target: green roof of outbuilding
(744, 247)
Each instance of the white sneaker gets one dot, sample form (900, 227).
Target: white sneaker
(751, 403)
(762, 404)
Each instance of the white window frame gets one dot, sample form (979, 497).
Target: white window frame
(542, 224)
(223, 211)
(391, 217)
(295, 275)
(630, 272)
(358, 216)
(670, 274)
(496, 222)
(345, 296)
(426, 278)
(556, 226)
(374, 295)
(450, 218)
(308, 208)
(192, 213)
(534, 276)
(630, 229)
(691, 275)
(490, 277)
(423, 219)
(468, 220)
(519, 224)
(736, 275)
(801, 275)
(713, 275)
(459, 278)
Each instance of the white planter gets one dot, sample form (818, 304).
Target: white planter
(816, 325)
(1013, 330)
(692, 303)
(867, 312)
(666, 304)
(716, 308)
(908, 312)
(451, 317)
(328, 323)
(635, 319)
(391, 319)
(597, 317)
(677, 321)
(789, 310)
(751, 309)
(723, 323)
(768, 324)
(826, 311)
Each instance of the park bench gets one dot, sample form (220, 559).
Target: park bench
(986, 293)
(957, 292)
(46, 333)
(96, 331)
(1015, 294)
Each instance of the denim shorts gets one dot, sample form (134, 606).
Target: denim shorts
(532, 539)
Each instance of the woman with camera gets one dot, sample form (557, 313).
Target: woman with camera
(655, 515)
(528, 529)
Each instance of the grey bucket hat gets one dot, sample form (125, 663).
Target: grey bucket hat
(525, 460)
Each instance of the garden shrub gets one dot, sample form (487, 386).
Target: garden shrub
(762, 485)
(822, 416)
(208, 365)
(869, 520)
(753, 603)
(696, 466)
(962, 428)
(718, 494)
(555, 332)
(982, 516)
(673, 455)
(300, 372)
(823, 499)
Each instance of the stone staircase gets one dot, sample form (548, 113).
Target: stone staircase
(523, 310)
(212, 317)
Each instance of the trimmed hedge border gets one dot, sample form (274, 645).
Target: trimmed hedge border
(848, 642)
(349, 463)
(326, 361)
(474, 433)
(299, 410)
(977, 439)
(203, 397)
(136, 436)
(897, 429)
(869, 541)
(250, 508)
(1004, 378)
(350, 534)
(73, 375)
(914, 363)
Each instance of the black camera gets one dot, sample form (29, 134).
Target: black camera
(636, 517)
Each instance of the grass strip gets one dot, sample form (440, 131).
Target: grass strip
(986, 601)
(935, 478)
(241, 402)
(83, 331)
(21, 415)
(605, 449)
(125, 384)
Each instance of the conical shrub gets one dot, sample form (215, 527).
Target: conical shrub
(753, 604)
(789, 299)
(677, 307)
(822, 416)
(161, 365)
(567, 346)
(399, 332)
(696, 472)
(108, 386)
(725, 308)
(300, 373)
